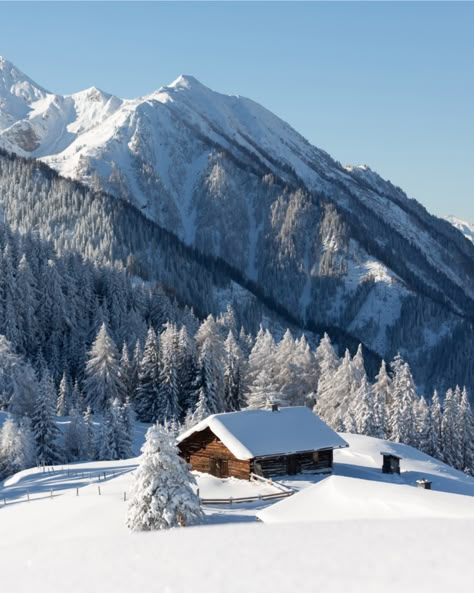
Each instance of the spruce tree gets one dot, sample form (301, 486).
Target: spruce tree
(233, 383)
(17, 447)
(168, 396)
(452, 452)
(91, 452)
(436, 438)
(466, 433)
(162, 495)
(103, 383)
(64, 397)
(147, 404)
(75, 438)
(362, 408)
(382, 399)
(44, 427)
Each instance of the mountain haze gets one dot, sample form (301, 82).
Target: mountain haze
(332, 245)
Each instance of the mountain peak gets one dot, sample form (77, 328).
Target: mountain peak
(186, 81)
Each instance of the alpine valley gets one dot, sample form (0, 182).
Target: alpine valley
(223, 203)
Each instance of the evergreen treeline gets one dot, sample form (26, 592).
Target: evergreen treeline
(275, 284)
(390, 408)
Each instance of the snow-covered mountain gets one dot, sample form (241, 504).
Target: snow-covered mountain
(331, 244)
(466, 228)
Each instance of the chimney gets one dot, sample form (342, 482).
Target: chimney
(424, 483)
(275, 408)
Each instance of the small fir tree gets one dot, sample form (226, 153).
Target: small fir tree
(162, 495)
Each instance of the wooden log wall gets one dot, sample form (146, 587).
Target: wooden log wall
(200, 449)
(281, 465)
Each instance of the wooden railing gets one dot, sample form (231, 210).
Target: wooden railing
(231, 499)
(284, 492)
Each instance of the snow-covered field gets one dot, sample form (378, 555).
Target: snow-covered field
(357, 531)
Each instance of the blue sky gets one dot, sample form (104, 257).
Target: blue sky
(386, 84)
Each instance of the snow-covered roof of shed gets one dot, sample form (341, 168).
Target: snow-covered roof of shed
(259, 433)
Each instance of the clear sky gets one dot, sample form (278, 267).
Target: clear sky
(390, 85)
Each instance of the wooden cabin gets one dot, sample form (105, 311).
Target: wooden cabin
(268, 443)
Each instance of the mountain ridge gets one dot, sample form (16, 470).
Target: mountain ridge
(333, 245)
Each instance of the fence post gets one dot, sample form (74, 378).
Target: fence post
(28, 496)
(98, 487)
(124, 496)
(77, 491)
(51, 493)
(4, 501)
(104, 475)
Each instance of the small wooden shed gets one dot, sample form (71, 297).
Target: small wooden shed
(268, 443)
(391, 463)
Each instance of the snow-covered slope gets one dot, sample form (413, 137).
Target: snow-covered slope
(333, 245)
(466, 228)
(78, 536)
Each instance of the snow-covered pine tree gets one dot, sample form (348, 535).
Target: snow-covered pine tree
(126, 428)
(305, 363)
(401, 421)
(103, 383)
(359, 365)
(335, 395)
(423, 426)
(125, 373)
(263, 392)
(262, 356)
(147, 405)
(362, 409)
(63, 405)
(168, 395)
(107, 445)
(90, 434)
(162, 495)
(186, 372)
(233, 380)
(326, 361)
(436, 438)
(201, 410)
(210, 370)
(466, 433)
(382, 399)
(209, 378)
(75, 438)
(287, 375)
(18, 383)
(17, 448)
(44, 426)
(452, 453)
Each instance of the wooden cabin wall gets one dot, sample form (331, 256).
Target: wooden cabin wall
(200, 449)
(282, 465)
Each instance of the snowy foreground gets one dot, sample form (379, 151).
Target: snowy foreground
(355, 531)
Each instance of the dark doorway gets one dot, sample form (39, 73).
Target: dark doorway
(293, 466)
(219, 467)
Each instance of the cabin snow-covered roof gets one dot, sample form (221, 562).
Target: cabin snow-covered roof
(260, 433)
